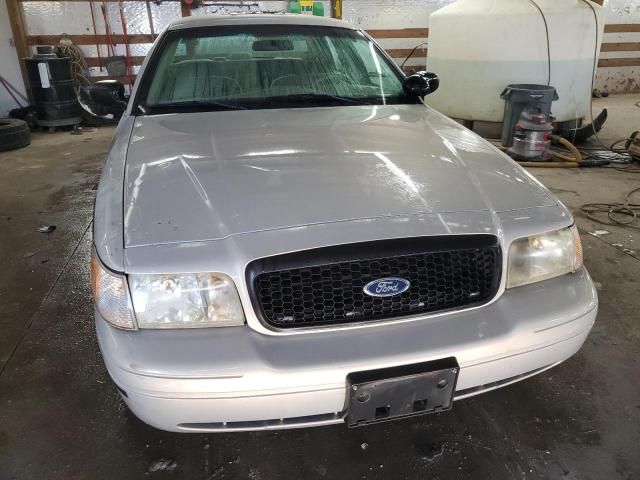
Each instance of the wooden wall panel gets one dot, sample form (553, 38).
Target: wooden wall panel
(397, 53)
(89, 39)
(400, 33)
(405, 52)
(621, 47)
(619, 62)
(622, 28)
(99, 62)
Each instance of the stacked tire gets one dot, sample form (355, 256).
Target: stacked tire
(14, 134)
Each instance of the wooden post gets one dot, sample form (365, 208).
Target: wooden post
(150, 15)
(185, 9)
(336, 9)
(16, 19)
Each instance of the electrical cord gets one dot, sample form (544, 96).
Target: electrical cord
(616, 212)
(629, 162)
(411, 54)
(615, 144)
(546, 27)
(628, 169)
(614, 155)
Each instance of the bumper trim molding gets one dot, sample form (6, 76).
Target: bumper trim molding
(308, 420)
(461, 394)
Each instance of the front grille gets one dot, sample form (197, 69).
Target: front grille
(326, 286)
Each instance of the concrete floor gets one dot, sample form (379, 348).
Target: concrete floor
(61, 418)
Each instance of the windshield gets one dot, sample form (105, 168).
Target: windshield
(267, 66)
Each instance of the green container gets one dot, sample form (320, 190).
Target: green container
(294, 6)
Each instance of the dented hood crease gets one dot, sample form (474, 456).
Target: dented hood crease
(208, 176)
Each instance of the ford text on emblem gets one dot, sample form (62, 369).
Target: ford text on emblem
(386, 287)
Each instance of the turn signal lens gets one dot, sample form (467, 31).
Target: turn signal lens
(577, 249)
(110, 295)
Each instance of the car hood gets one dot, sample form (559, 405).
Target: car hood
(208, 176)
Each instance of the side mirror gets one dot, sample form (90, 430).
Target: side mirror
(420, 84)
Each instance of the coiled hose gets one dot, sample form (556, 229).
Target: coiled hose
(569, 158)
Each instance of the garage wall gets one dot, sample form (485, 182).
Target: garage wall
(9, 66)
(621, 79)
(399, 14)
(47, 18)
(385, 14)
(53, 18)
(391, 14)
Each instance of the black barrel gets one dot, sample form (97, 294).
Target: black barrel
(58, 103)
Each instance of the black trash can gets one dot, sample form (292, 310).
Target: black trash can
(519, 97)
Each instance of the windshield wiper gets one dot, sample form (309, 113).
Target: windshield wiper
(194, 105)
(313, 98)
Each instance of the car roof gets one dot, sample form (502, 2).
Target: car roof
(257, 19)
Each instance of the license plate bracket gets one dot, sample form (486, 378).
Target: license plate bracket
(376, 396)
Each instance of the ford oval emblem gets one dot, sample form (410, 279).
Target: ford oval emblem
(387, 287)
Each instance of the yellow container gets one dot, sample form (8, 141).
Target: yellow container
(306, 7)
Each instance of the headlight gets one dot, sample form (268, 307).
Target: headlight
(111, 295)
(185, 300)
(540, 257)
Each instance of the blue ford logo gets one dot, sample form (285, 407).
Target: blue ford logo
(387, 287)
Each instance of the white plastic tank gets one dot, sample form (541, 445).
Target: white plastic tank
(478, 47)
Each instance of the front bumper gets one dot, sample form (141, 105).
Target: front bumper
(239, 379)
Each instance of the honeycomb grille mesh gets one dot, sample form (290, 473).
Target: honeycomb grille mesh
(334, 293)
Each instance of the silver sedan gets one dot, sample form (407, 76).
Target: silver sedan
(286, 236)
